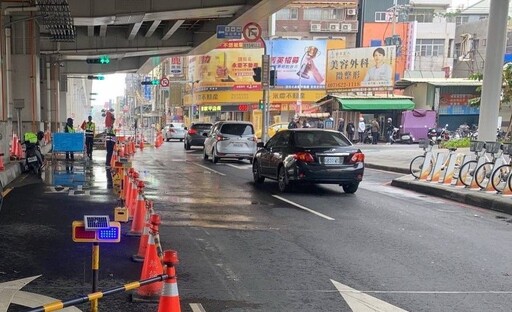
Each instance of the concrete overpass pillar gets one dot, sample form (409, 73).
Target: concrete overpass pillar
(491, 89)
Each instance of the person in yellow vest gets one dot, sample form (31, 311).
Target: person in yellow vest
(90, 131)
(68, 128)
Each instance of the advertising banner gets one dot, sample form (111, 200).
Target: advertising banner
(361, 68)
(229, 67)
(298, 63)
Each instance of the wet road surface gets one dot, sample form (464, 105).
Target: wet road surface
(249, 248)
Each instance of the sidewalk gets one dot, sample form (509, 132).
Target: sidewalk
(396, 158)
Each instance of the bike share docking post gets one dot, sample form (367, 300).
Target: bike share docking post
(426, 169)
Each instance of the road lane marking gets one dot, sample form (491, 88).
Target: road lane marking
(304, 208)
(209, 169)
(241, 167)
(361, 302)
(197, 307)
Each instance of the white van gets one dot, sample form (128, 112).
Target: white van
(230, 139)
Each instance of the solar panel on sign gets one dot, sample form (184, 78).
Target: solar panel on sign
(96, 222)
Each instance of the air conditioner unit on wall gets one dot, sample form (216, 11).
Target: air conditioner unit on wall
(346, 27)
(316, 27)
(351, 11)
(334, 27)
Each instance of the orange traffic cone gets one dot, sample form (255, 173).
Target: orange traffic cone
(140, 213)
(141, 143)
(133, 194)
(19, 151)
(2, 167)
(144, 239)
(152, 267)
(170, 298)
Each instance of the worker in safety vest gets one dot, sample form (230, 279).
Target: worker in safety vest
(69, 129)
(110, 142)
(90, 131)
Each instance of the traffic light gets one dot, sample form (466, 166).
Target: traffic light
(102, 60)
(261, 105)
(97, 77)
(257, 74)
(153, 82)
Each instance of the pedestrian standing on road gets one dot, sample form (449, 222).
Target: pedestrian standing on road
(361, 126)
(389, 130)
(375, 131)
(351, 129)
(294, 123)
(90, 129)
(69, 129)
(341, 125)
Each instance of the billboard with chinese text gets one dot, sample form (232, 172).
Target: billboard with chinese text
(298, 63)
(361, 68)
(229, 67)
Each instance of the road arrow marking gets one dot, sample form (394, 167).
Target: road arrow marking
(361, 302)
(9, 289)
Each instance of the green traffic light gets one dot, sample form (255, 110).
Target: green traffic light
(155, 82)
(104, 60)
(100, 77)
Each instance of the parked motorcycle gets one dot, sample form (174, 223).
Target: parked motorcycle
(397, 137)
(33, 156)
(367, 136)
(437, 135)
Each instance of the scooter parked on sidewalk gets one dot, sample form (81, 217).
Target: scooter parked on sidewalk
(397, 137)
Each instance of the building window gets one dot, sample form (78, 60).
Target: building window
(287, 14)
(421, 15)
(457, 52)
(461, 20)
(380, 16)
(430, 47)
(323, 14)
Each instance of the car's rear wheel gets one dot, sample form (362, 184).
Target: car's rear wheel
(282, 181)
(205, 156)
(186, 145)
(350, 188)
(256, 175)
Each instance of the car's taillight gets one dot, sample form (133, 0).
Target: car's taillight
(171, 130)
(356, 158)
(253, 138)
(304, 157)
(192, 131)
(220, 138)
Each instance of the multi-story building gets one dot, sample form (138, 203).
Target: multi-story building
(421, 29)
(327, 19)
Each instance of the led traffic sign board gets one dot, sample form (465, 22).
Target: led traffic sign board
(101, 60)
(97, 77)
(154, 82)
(110, 234)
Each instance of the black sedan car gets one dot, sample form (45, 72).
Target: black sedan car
(196, 135)
(309, 155)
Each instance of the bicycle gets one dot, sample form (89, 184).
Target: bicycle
(501, 175)
(467, 170)
(416, 165)
(484, 171)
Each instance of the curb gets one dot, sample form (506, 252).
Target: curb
(476, 198)
(387, 168)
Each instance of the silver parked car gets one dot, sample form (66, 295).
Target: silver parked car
(175, 130)
(230, 139)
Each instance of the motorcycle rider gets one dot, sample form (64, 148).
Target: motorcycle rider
(31, 140)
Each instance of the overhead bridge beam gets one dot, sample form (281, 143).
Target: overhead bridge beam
(173, 29)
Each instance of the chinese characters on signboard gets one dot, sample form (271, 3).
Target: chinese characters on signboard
(361, 68)
(176, 65)
(457, 104)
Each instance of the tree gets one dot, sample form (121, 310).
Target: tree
(506, 91)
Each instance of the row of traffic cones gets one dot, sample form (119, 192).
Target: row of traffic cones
(145, 224)
(16, 150)
(159, 140)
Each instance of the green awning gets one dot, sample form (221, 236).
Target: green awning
(362, 104)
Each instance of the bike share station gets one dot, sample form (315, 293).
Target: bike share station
(68, 173)
(490, 170)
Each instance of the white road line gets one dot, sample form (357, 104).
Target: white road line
(241, 167)
(304, 208)
(214, 171)
(197, 307)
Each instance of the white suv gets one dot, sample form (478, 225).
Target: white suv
(230, 139)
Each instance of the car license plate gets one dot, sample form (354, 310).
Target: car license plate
(238, 144)
(332, 160)
(32, 159)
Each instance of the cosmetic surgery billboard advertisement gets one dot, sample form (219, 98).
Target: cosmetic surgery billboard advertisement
(361, 68)
(298, 63)
(228, 67)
